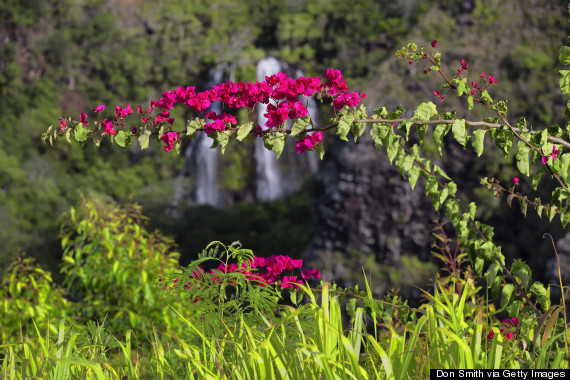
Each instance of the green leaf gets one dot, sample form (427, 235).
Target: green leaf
(320, 149)
(565, 82)
(437, 169)
(451, 209)
(536, 178)
(378, 132)
(123, 139)
(413, 175)
(443, 195)
(439, 133)
(461, 87)
(351, 307)
(504, 140)
(479, 264)
(558, 197)
(524, 205)
(344, 125)
(144, 138)
(223, 138)
(472, 207)
(470, 102)
(486, 98)
(432, 185)
(404, 127)
(192, 126)
(522, 158)
(492, 272)
(357, 130)
(506, 294)
(382, 112)
(479, 141)
(300, 125)
(97, 136)
(275, 142)
(564, 166)
(393, 146)
(425, 111)
(510, 199)
(522, 271)
(422, 130)
(458, 130)
(552, 212)
(539, 291)
(539, 210)
(565, 217)
(244, 130)
(396, 114)
(81, 133)
(487, 250)
(564, 55)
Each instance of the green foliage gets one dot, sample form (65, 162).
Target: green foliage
(111, 264)
(306, 342)
(28, 293)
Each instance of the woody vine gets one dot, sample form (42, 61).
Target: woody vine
(539, 152)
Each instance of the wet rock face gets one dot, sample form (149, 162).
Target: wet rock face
(363, 203)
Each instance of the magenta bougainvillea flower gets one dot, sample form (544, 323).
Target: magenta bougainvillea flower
(262, 271)
(307, 273)
(108, 125)
(434, 44)
(511, 328)
(169, 139)
(83, 119)
(308, 142)
(99, 108)
(62, 123)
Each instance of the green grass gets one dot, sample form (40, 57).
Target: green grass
(283, 347)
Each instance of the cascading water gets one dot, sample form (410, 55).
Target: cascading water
(268, 176)
(274, 178)
(201, 162)
(277, 178)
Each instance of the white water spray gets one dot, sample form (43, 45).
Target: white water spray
(268, 176)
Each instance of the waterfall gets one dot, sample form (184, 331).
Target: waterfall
(201, 162)
(275, 178)
(268, 176)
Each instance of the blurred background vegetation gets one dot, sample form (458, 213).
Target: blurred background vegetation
(61, 57)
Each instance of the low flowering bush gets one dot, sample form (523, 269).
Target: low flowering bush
(267, 277)
(509, 330)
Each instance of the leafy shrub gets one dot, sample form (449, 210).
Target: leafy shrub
(28, 293)
(111, 264)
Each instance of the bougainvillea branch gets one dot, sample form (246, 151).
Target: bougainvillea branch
(287, 116)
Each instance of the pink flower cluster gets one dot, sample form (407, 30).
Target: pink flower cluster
(62, 124)
(464, 67)
(109, 127)
(511, 327)
(490, 78)
(282, 94)
(308, 142)
(169, 139)
(218, 122)
(285, 97)
(261, 270)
